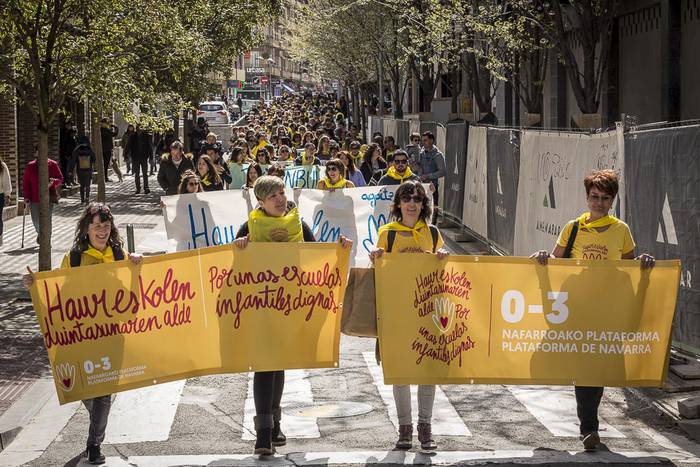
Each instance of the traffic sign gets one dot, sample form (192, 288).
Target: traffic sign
(263, 80)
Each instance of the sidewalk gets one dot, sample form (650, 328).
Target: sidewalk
(24, 367)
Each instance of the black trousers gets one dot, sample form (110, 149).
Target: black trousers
(587, 403)
(142, 166)
(107, 159)
(267, 392)
(85, 179)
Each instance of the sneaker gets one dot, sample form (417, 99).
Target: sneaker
(405, 437)
(591, 441)
(425, 437)
(94, 455)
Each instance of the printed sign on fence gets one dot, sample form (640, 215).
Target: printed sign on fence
(474, 207)
(116, 326)
(550, 187)
(508, 320)
(213, 218)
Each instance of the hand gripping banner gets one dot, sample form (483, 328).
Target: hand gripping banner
(113, 327)
(494, 320)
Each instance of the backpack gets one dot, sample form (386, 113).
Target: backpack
(75, 256)
(391, 236)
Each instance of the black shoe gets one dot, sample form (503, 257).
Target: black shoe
(94, 455)
(147, 191)
(263, 442)
(138, 191)
(278, 438)
(108, 180)
(591, 441)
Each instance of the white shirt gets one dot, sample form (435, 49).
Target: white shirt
(5, 181)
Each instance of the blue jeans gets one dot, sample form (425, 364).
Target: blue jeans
(34, 210)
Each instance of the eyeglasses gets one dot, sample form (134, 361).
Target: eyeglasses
(99, 208)
(415, 140)
(400, 161)
(415, 198)
(331, 169)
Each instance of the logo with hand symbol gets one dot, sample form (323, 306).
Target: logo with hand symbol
(444, 314)
(66, 375)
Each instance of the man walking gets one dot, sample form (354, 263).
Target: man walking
(432, 167)
(107, 132)
(141, 153)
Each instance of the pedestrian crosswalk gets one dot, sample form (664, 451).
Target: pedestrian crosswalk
(150, 426)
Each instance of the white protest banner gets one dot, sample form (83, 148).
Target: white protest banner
(474, 214)
(295, 176)
(550, 189)
(207, 219)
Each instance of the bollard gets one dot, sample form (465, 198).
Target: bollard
(130, 238)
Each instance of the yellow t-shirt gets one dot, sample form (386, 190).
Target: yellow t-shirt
(405, 243)
(90, 256)
(591, 244)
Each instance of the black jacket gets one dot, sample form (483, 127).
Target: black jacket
(367, 170)
(169, 175)
(107, 135)
(84, 150)
(141, 147)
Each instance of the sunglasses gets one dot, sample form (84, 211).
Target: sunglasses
(331, 169)
(192, 183)
(99, 208)
(400, 161)
(415, 198)
(415, 140)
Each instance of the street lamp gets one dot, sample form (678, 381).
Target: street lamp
(270, 62)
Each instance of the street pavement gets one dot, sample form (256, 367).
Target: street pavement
(342, 416)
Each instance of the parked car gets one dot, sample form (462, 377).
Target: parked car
(214, 112)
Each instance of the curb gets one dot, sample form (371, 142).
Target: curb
(24, 409)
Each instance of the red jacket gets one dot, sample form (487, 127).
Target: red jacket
(30, 179)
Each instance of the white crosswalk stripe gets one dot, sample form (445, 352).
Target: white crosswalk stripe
(446, 420)
(555, 408)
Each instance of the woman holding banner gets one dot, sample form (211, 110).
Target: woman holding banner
(411, 233)
(275, 220)
(96, 241)
(190, 183)
(335, 177)
(595, 235)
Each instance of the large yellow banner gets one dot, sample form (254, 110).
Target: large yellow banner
(471, 319)
(114, 327)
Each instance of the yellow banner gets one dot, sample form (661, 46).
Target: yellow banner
(113, 327)
(472, 319)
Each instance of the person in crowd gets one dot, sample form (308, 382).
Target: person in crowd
(66, 146)
(309, 137)
(324, 148)
(308, 157)
(220, 165)
(172, 166)
(208, 176)
(335, 177)
(410, 232)
(432, 166)
(237, 168)
(399, 171)
(352, 173)
(107, 134)
(262, 157)
(260, 142)
(253, 174)
(85, 157)
(30, 188)
(190, 183)
(413, 149)
(355, 153)
(595, 235)
(198, 134)
(165, 141)
(96, 241)
(213, 143)
(276, 170)
(284, 154)
(275, 220)
(5, 191)
(389, 146)
(243, 144)
(141, 154)
(127, 144)
(372, 161)
(296, 140)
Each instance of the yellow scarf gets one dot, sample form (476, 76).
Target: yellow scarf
(602, 222)
(264, 228)
(205, 180)
(106, 257)
(398, 226)
(341, 183)
(393, 174)
(305, 161)
(356, 157)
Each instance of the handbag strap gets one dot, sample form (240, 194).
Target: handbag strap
(571, 240)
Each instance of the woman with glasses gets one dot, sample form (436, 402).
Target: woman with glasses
(335, 177)
(284, 154)
(190, 183)
(410, 232)
(353, 174)
(595, 235)
(96, 241)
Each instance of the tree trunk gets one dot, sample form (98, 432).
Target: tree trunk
(96, 138)
(176, 125)
(187, 130)
(44, 216)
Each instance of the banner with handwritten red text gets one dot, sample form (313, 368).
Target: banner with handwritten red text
(118, 326)
(470, 319)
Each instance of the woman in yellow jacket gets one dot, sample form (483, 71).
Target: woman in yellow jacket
(97, 241)
(335, 177)
(275, 220)
(411, 233)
